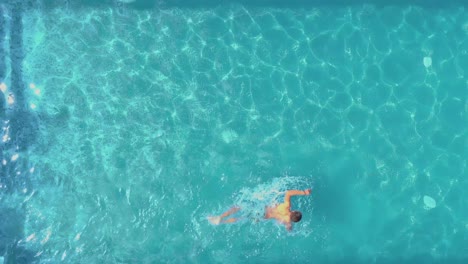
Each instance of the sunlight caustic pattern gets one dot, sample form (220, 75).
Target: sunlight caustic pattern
(153, 118)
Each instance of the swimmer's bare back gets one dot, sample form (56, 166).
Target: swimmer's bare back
(282, 212)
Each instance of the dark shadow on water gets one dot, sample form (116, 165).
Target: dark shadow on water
(24, 124)
(11, 232)
(2, 51)
(149, 4)
(2, 60)
(23, 130)
(11, 227)
(24, 127)
(16, 54)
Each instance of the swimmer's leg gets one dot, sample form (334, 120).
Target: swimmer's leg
(216, 220)
(266, 215)
(231, 211)
(230, 221)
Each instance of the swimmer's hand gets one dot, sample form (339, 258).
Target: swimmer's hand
(307, 191)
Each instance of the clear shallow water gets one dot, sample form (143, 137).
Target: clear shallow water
(152, 119)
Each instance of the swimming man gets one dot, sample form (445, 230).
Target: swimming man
(281, 212)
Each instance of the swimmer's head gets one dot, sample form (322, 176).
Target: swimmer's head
(296, 216)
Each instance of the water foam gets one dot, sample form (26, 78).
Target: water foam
(252, 201)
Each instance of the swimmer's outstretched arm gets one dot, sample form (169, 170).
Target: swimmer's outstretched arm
(297, 192)
(287, 197)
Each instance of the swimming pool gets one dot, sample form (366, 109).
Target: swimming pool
(130, 123)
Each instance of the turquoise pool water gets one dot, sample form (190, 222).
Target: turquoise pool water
(151, 118)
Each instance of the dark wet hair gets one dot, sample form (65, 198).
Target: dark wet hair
(296, 216)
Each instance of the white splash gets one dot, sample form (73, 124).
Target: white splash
(47, 237)
(229, 135)
(429, 202)
(427, 62)
(3, 87)
(5, 137)
(15, 157)
(31, 237)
